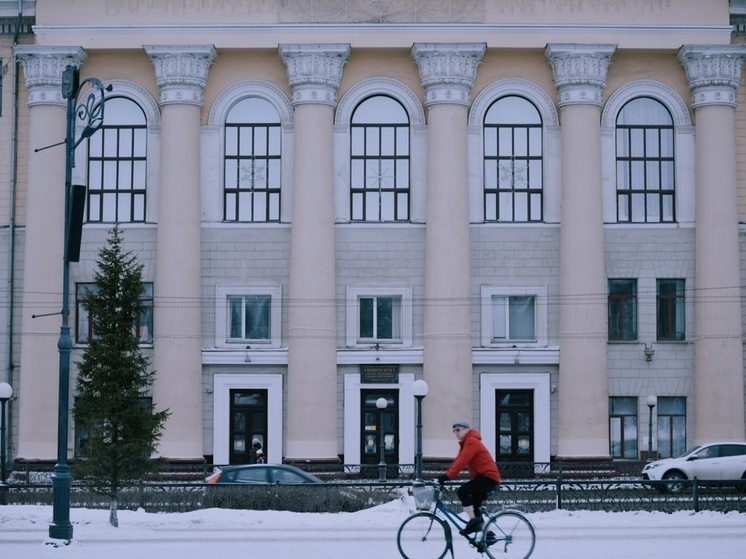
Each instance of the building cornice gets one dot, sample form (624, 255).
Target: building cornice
(388, 35)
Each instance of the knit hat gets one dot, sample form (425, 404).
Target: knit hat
(462, 424)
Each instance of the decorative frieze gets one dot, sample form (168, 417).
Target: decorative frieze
(579, 72)
(181, 72)
(42, 70)
(714, 72)
(315, 71)
(448, 70)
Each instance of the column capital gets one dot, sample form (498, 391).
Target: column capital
(42, 71)
(713, 71)
(181, 72)
(579, 71)
(315, 71)
(448, 70)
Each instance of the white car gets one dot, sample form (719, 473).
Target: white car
(707, 462)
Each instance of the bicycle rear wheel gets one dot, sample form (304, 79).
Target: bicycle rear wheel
(423, 536)
(508, 535)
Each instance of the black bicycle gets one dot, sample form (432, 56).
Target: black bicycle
(505, 534)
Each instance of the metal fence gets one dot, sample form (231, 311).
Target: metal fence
(528, 495)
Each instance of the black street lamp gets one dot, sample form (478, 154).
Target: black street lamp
(651, 402)
(91, 112)
(419, 389)
(381, 404)
(6, 391)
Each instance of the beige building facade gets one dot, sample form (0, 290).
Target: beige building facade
(536, 207)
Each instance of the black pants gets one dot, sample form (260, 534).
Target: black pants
(474, 491)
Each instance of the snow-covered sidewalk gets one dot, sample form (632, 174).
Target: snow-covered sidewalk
(369, 534)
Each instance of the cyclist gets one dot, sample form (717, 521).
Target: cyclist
(484, 474)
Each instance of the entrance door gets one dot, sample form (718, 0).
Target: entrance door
(380, 428)
(515, 425)
(248, 425)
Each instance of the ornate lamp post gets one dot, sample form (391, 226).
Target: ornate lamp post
(91, 112)
(381, 404)
(651, 402)
(419, 389)
(6, 391)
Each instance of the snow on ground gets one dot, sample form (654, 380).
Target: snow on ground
(369, 534)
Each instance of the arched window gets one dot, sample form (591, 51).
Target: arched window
(645, 163)
(379, 161)
(253, 154)
(513, 163)
(117, 164)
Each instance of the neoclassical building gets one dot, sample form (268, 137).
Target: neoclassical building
(536, 207)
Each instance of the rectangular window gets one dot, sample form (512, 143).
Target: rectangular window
(622, 309)
(670, 310)
(143, 324)
(248, 315)
(623, 427)
(513, 318)
(671, 426)
(380, 318)
(250, 318)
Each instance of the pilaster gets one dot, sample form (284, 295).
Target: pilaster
(181, 75)
(447, 73)
(579, 72)
(714, 74)
(314, 71)
(314, 74)
(580, 76)
(45, 222)
(181, 72)
(448, 70)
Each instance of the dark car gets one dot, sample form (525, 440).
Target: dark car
(262, 474)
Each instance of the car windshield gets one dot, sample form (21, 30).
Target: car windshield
(689, 451)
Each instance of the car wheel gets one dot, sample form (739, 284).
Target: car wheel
(671, 477)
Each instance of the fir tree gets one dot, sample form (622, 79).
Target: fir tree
(113, 376)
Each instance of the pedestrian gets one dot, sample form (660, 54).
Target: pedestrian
(484, 474)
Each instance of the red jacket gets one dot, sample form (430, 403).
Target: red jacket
(474, 455)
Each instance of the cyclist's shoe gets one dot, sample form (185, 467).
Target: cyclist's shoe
(474, 525)
(490, 538)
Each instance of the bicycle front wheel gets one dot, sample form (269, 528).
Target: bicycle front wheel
(508, 535)
(423, 536)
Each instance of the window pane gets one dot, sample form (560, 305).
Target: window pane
(257, 317)
(366, 317)
(522, 318)
(499, 317)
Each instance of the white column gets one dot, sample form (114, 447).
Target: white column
(314, 73)
(447, 73)
(580, 76)
(714, 74)
(181, 74)
(43, 251)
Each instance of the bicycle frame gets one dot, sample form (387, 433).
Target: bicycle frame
(452, 519)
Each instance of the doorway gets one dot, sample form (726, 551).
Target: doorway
(514, 414)
(379, 428)
(248, 425)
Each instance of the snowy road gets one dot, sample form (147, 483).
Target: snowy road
(371, 534)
